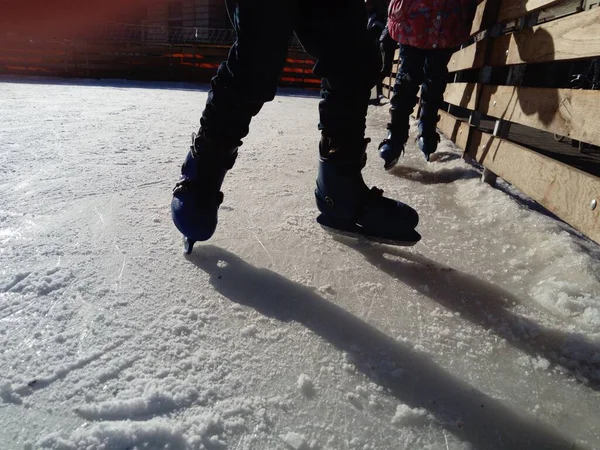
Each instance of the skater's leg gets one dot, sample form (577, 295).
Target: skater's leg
(403, 101)
(249, 77)
(375, 34)
(334, 32)
(388, 48)
(408, 80)
(242, 85)
(432, 96)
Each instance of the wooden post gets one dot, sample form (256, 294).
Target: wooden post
(514, 78)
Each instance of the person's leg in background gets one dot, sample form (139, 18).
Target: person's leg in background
(403, 101)
(375, 30)
(387, 47)
(334, 32)
(242, 85)
(432, 97)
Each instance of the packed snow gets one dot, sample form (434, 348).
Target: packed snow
(274, 334)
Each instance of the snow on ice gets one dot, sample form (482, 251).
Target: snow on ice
(274, 335)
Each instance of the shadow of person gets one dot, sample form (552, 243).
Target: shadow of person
(442, 176)
(468, 413)
(488, 306)
(537, 107)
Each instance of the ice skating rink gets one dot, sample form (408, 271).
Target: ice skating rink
(274, 334)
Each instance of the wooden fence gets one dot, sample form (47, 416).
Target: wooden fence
(133, 60)
(511, 102)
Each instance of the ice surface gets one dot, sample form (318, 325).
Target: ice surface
(274, 335)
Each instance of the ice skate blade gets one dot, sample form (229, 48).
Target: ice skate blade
(188, 246)
(365, 237)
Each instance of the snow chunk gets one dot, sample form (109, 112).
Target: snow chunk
(405, 415)
(152, 403)
(540, 363)
(296, 441)
(39, 283)
(306, 385)
(7, 395)
(566, 299)
(249, 331)
(355, 400)
(154, 433)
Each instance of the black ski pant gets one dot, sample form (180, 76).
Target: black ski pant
(424, 68)
(332, 31)
(387, 47)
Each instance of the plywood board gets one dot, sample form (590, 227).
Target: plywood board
(454, 129)
(562, 189)
(572, 37)
(513, 9)
(568, 112)
(470, 57)
(462, 94)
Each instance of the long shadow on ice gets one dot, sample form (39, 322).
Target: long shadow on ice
(468, 413)
(489, 306)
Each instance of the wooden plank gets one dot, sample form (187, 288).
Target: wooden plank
(454, 129)
(480, 13)
(568, 112)
(562, 189)
(462, 94)
(564, 8)
(486, 16)
(513, 9)
(573, 37)
(471, 57)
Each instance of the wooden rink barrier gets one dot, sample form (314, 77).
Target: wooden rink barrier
(512, 109)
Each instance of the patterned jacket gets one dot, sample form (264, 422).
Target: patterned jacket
(431, 24)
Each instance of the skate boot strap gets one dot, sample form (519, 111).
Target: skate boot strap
(223, 159)
(434, 135)
(185, 185)
(373, 195)
(329, 151)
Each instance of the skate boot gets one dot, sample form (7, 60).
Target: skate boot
(197, 195)
(349, 207)
(391, 149)
(428, 138)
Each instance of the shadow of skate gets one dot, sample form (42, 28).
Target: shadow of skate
(468, 413)
(443, 157)
(488, 306)
(442, 176)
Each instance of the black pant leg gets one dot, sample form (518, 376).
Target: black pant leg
(251, 73)
(335, 32)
